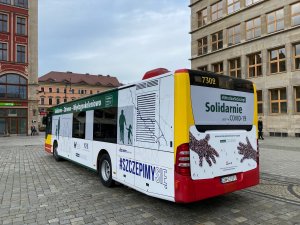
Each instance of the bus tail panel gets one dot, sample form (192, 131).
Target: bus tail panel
(218, 153)
(188, 190)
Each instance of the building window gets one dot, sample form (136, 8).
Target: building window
(91, 92)
(50, 90)
(218, 68)
(275, 21)
(234, 35)
(216, 11)
(254, 65)
(42, 89)
(250, 2)
(13, 86)
(57, 90)
(202, 17)
(79, 91)
(253, 28)
(21, 3)
(21, 25)
(235, 67)
(105, 125)
(42, 101)
(3, 51)
(50, 101)
(217, 41)
(295, 14)
(233, 5)
(202, 68)
(202, 46)
(278, 100)
(57, 101)
(21, 54)
(259, 102)
(297, 56)
(3, 23)
(65, 100)
(277, 60)
(297, 99)
(5, 1)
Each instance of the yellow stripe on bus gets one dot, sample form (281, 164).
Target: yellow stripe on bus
(183, 114)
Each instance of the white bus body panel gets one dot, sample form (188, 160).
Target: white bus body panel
(125, 137)
(155, 160)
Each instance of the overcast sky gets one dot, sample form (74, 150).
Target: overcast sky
(122, 38)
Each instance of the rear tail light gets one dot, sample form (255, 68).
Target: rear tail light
(182, 164)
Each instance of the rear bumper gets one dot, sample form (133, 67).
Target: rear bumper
(188, 190)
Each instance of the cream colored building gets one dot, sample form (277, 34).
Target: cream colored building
(257, 40)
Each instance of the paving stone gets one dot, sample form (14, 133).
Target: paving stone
(35, 189)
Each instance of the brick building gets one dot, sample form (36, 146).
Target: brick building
(18, 66)
(59, 87)
(257, 40)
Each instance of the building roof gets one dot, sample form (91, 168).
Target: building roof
(77, 78)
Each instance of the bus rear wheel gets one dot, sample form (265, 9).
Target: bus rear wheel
(105, 171)
(55, 153)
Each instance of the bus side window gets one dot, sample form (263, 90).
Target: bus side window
(79, 120)
(105, 125)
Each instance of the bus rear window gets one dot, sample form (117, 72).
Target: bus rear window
(209, 79)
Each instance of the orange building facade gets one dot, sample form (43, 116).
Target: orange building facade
(60, 87)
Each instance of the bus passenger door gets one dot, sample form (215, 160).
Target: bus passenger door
(65, 131)
(125, 136)
(82, 137)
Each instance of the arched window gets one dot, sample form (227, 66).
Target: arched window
(13, 86)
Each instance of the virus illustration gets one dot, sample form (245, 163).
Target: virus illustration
(203, 150)
(247, 150)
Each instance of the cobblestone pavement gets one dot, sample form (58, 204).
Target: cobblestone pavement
(35, 189)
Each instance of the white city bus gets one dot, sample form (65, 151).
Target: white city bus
(182, 136)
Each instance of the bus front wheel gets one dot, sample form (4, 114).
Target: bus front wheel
(105, 171)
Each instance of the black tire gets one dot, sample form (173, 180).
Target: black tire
(55, 153)
(105, 171)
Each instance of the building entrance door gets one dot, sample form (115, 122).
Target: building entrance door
(13, 125)
(2, 126)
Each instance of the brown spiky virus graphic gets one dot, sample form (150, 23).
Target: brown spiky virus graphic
(203, 150)
(247, 150)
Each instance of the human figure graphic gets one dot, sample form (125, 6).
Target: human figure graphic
(260, 128)
(129, 129)
(122, 124)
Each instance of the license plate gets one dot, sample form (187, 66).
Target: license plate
(228, 179)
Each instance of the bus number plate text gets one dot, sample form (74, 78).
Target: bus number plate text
(228, 179)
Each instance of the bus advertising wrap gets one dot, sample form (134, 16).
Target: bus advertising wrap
(219, 153)
(214, 106)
